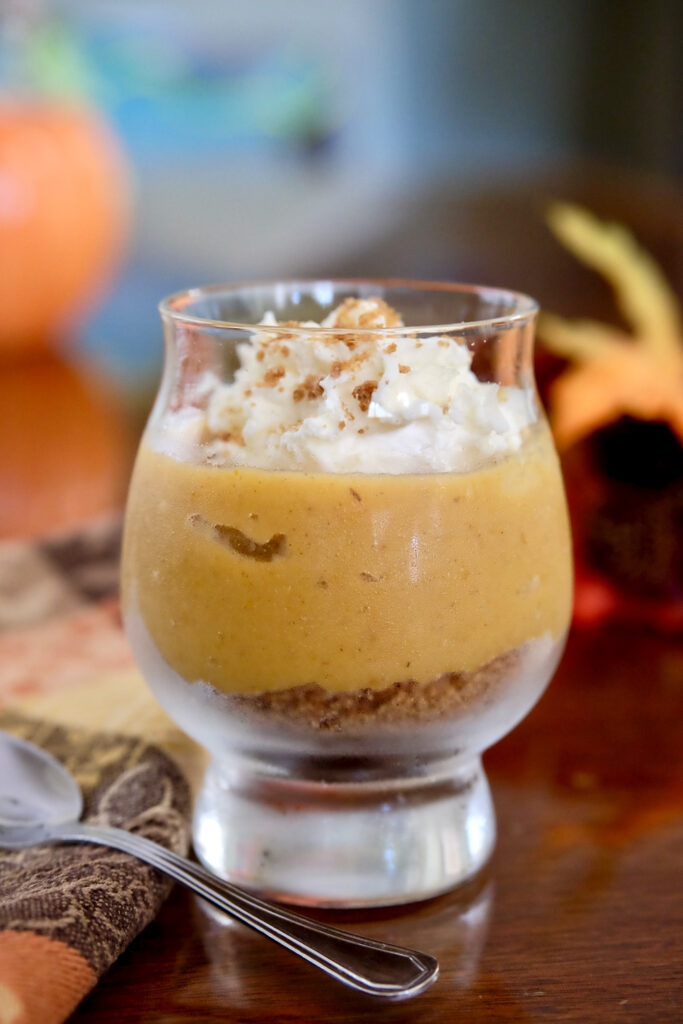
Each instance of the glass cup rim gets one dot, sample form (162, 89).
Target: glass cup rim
(173, 306)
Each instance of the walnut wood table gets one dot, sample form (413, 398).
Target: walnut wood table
(578, 918)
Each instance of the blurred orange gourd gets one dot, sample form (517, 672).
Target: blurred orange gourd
(65, 446)
(63, 205)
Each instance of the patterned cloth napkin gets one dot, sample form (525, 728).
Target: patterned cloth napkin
(67, 683)
(68, 911)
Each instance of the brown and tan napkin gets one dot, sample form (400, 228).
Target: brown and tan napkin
(68, 911)
(67, 682)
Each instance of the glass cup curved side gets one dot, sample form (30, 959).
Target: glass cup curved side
(357, 632)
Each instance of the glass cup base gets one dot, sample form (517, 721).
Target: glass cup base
(344, 844)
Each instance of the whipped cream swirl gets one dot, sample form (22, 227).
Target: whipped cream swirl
(356, 403)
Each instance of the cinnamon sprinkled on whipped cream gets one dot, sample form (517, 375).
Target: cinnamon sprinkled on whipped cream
(411, 406)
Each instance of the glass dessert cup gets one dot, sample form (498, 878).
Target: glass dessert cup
(346, 573)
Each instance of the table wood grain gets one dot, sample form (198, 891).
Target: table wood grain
(579, 916)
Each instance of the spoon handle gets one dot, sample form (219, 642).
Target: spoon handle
(369, 965)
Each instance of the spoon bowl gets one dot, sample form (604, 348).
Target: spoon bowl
(40, 802)
(35, 788)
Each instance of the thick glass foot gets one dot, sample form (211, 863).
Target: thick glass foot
(345, 844)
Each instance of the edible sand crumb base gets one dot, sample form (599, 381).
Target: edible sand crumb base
(401, 704)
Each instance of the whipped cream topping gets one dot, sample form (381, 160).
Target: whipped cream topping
(404, 403)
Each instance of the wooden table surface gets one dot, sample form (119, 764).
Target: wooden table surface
(579, 916)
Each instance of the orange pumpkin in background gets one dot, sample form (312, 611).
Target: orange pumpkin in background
(65, 446)
(63, 215)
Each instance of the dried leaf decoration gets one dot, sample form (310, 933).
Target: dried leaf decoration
(615, 373)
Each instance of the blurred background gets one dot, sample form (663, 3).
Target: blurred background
(150, 145)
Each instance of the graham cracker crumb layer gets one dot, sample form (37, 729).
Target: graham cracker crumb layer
(402, 704)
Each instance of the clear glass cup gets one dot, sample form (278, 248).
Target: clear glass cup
(346, 573)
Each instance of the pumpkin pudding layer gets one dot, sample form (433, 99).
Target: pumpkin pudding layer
(254, 581)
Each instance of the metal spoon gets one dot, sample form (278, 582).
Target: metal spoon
(40, 802)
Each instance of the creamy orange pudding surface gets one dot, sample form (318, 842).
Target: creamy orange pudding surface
(375, 578)
(261, 579)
